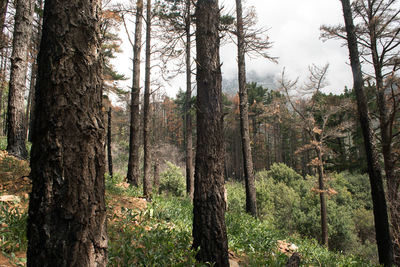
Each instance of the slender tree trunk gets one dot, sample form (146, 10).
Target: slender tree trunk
(3, 13)
(209, 230)
(31, 103)
(251, 206)
(133, 163)
(67, 213)
(146, 108)
(16, 135)
(322, 198)
(188, 106)
(109, 143)
(386, 137)
(383, 238)
(156, 177)
(3, 104)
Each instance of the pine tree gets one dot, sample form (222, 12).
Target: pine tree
(209, 230)
(67, 213)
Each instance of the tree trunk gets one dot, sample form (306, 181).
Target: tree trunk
(146, 108)
(109, 144)
(383, 238)
(16, 135)
(188, 106)
(209, 230)
(156, 177)
(31, 102)
(321, 185)
(251, 206)
(133, 163)
(3, 14)
(67, 213)
(386, 136)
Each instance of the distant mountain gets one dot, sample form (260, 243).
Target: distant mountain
(230, 85)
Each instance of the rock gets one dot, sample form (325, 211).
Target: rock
(10, 198)
(233, 263)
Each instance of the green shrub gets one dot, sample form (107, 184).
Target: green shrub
(236, 197)
(172, 180)
(280, 172)
(13, 229)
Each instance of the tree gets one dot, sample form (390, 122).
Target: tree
(146, 108)
(176, 20)
(3, 13)
(209, 230)
(251, 206)
(378, 37)
(382, 230)
(315, 115)
(188, 104)
(36, 36)
(67, 213)
(133, 163)
(16, 134)
(109, 143)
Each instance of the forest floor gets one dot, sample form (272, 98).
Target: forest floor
(15, 187)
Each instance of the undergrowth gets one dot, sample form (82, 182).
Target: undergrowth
(161, 233)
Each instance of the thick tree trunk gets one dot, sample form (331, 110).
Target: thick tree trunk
(67, 213)
(251, 206)
(209, 230)
(188, 106)
(16, 135)
(133, 163)
(322, 198)
(146, 108)
(383, 238)
(109, 142)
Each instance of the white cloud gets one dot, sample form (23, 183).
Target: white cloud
(294, 30)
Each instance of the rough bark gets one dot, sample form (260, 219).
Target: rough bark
(188, 106)
(146, 108)
(109, 142)
(16, 134)
(133, 163)
(383, 238)
(67, 213)
(209, 230)
(3, 13)
(251, 206)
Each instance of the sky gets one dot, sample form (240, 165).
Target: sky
(294, 30)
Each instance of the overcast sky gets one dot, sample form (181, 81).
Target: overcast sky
(294, 30)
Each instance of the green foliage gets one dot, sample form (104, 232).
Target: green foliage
(12, 168)
(172, 180)
(114, 186)
(3, 142)
(291, 204)
(236, 197)
(13, 228)
(280, 172)
(158, 236)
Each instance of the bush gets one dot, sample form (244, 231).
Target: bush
(280, 172)
(236, 197)
(13, 228)
(172, 180)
